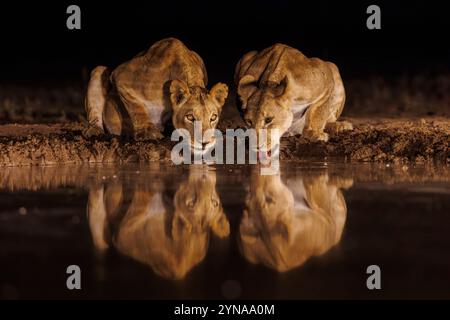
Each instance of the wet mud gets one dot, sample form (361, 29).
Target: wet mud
(389, 140)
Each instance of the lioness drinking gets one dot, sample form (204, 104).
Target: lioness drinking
(141, 96)
(280, 88)
(286, 223)
(168, 231)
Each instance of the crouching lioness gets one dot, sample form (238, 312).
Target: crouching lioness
(150, 223)
(280, 88)
(168, 81)
(286, 223)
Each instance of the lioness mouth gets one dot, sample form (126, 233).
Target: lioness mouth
(263, 155)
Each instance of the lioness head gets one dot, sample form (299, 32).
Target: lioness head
(284, 225)
(197, 206)
(170, 233)
(265, 106)
(195, 104)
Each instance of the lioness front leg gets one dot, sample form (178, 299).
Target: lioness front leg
(315, 122)
(339, 126)
(336, 103)
(95, 101)
(97, 216)
(143, 128)
(147, 133)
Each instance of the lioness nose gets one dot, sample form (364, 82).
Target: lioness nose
(204, 144)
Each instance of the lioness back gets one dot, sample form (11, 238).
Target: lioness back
(167, 59)
(166, 82)
(280, 88)
(147, 75)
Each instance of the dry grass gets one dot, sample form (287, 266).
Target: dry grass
(38, 103)
(405, 95)
(415, 95)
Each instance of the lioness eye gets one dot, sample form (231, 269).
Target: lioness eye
(268, 120)
(190, 117)
(248, 122)
(214, 117)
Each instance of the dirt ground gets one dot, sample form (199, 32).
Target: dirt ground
(398, 119)
(387, 140)
(381, 139)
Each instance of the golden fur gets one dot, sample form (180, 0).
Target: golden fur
(141, 96)
(281, 88)
(170, 233)
(286, 223)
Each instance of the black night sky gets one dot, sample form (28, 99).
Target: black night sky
(37, 46)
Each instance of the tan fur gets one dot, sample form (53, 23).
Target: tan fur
(170, 234)
(274, 83)
(285, 224)
(141, 96)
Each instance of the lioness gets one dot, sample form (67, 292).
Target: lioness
(280, 88)
(168, 81)
(167, 231)
(285, 224)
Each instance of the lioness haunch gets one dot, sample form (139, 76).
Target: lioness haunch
(281, 88)
(168, 81)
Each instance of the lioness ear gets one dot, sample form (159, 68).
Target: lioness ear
(245, 88)
(219, 93)
(220, 225)
(281, 90)
(179, 93)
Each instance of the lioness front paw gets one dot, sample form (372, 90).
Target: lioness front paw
(315, 135)
(92, 131)
(147, 134)
(339, 126)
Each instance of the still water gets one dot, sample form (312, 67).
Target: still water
(166, 232)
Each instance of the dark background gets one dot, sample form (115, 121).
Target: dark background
(37, 46)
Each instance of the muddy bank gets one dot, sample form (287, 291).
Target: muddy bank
(64, 144)
(381, 140)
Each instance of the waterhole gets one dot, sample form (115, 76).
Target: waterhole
(181, 232)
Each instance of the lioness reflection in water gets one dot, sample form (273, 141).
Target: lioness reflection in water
(284, 224)
(169, 232)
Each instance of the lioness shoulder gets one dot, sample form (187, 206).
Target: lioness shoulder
(280, 88)
(161, 87)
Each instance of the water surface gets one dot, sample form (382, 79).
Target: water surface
(155, 231)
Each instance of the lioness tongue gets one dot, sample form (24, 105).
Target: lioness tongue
(263, 154)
